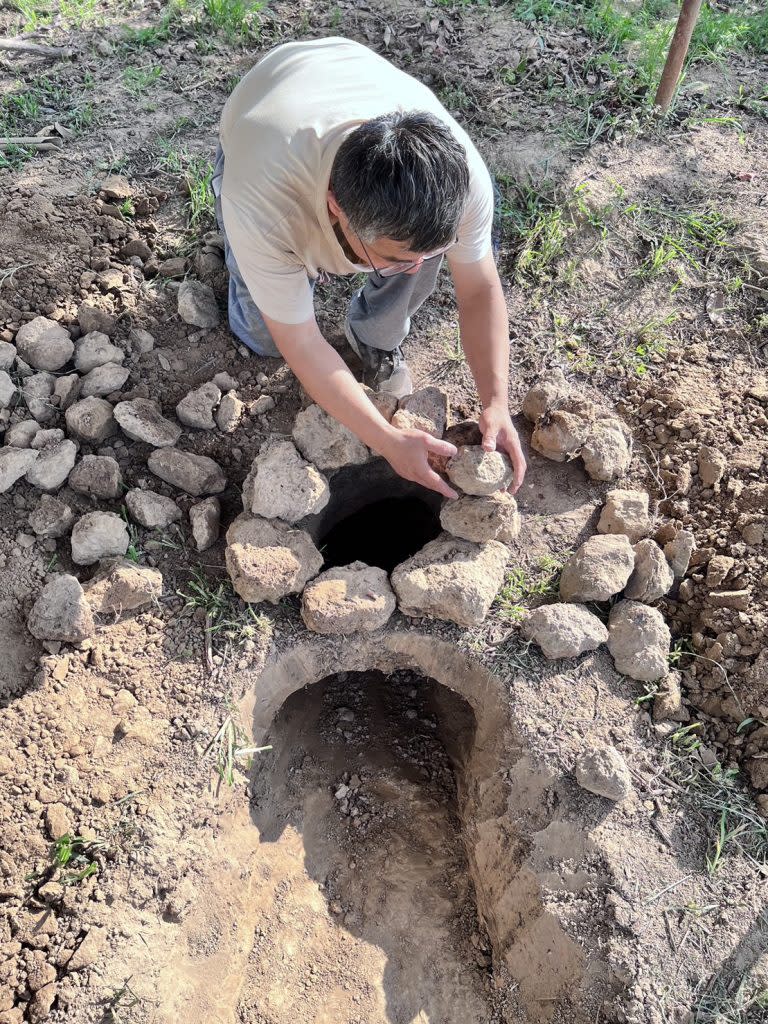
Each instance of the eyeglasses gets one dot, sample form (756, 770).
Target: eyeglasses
(401, 268)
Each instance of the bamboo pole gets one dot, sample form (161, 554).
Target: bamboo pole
(678, 49)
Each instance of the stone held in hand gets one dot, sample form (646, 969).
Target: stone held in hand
(652, 576)
(459, 434)
(44, 344)
(603, 771)
(564, 630)
(426, 409)
(282, 485)
(268, 559)
(98, 535)
(197, 406)
(348, 599)
(141, 419)
(14, 464)
(97, 476)
(150, 509)
(53, 466)
(122, 586)
(479, 519)
(195, 474)
(90, 420)
(327, 443)
(476, 471)
(549, 389)
(626, 512)
(607, 452)
(51, 518)
(61, 612)
(103, 380)
(197, 305)
(639, 640)
(95, 349)
(599, 569)
(205, 520)
(451, 579)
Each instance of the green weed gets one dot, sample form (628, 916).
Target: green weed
(227, 619)
(454, 351)
(201, 204)
(235, 19)
(124, 999)
(78, 855)
(229, 745)
(523, 583)
(138, 79)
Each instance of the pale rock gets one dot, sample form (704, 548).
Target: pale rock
(44, 344)
(95, 349)
(229, 413)
(225, 381)
(45, 438)
(652, 576)
(668, 702)
(7, 355)
(51, 518)
(548, 390)
(678, 552)
(479, 519)
(263, 404)
(122, 586)
(90, 319)
(282, 485)
(268, 559)
(98, 535)
(90, 950)
(205, 519)
(196, 474)
(718, 568)
(599, 569)
(384, 402)
(37, 391)
(8, 390)
(603, 771)
(67, 390)
(738, 600)
(103, 380)
(90, 420)
(626, 512)
(141, 341)
(150, 509)
(53, 466)
(196, 408)
(464, 434)
(22, 434)
(607, 452)
(97, 476)
(197, 305)
(326, 442)
(451, 579)
(639, 640)
(426, 409)
(478, 472)
(564, 630)
(58, 820)
(61, 612)
(712, 465)
(348, 599)
(141, 419)
(116, 186)
(560, 433)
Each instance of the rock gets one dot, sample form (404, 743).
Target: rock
(385, 403)
(95, 349)
(196, 408)
(58, 820)
(478, 472)
(53, 465)
(197, 305)
(425, 410)
(136, 247)
(678, 552)
(638, 639)
(195, 474)
(141, 341)
(150, 509)
(98, 535)
(67, 390)
(326, 442)
(174, 267)
(460, 434)
(599, 569)
(37, 391)
(652, 577)
(7, 355)
(122, 586)
(8, 391)
(44, 344)
(268, 559)
(282, 485)
(92, 319)
(51, 518)
(548, 390)
(668, 702)
(61, 612)
(89, 951)
(205, 519)
(229, 413)
(712, 465)
(451, 579)
(90, 420)
(718, 568)
(103, 380)
(225, 381)
(97, 476)
(46, 438)
(607, 451)
(115, 186)
(626, 512)
(262, 405)
(14, 464)
(348, 599)
(479, 519)
(22, 434)
(142, 420)
(738, 600)
(560, 433)
(603, 771)
(564, 630)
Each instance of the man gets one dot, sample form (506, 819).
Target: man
(334, 161)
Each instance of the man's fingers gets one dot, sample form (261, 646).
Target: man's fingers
(489, 441)
(439, 447)
(520, 467)
(436, 483)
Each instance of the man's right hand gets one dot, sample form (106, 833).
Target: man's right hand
(407, 450)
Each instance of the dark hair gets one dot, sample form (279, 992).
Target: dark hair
(402, 176)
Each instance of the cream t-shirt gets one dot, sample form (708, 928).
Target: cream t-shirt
(280, 131)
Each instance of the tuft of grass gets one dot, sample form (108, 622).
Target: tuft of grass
(454, 351)
(123, 999)
(235, 19)
(229, 745)
(201, 205)
(523, 583)
(228, 619)
(735, 1002)
(137, 80)
(78, 856)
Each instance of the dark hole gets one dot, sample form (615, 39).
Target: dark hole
(383, 533)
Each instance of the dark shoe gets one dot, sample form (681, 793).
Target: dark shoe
(382, 371)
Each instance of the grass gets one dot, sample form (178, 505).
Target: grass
(137, 80)
(454, 351)
(78, 856)
(738, 1002)
(229, 745)
(228, 620)
(197, 175)
(124, 999)
(522, 583)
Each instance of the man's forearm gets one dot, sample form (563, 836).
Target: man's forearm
(485, 339)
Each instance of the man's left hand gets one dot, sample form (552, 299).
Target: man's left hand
(499, 433)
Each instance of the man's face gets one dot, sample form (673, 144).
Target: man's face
(383, 253)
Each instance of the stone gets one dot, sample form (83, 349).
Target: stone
(262, 405)
(282, 485)
(385, 403)
(98, 535)
(150, 509)
(195, 474)
(196, 408)
(53, 466)
(95, 349)
(122, 586)
(90, 318)
(603, 771)
(652, 576)
(14, 464)
(607, 452)
(22, 434)
(564, 630)
(712, 465)
(103, 380)
(229, 413)
(61, 612)
(8, 391)
(173, 267)
(548, 390)
(197, 305)
(205, 519)
(37, 391)
(136, 247)
(90, 420)
(626, 512)
(44, 344)
(51, 518)
(326, 442)
(45, 438)
(668, 702)
(7, 355)
(97, 476)
(58, 820)
(67, 390)
(718, 568)
(451, 579)
(116, 186)
(348, 599)
(141, 341)
(561, 432)
(599, 569)
(479, 519)
(639, 639)
(465, 433)
(425, 410)
(476, 471)
(738, 600)
(225, 381)
(268, 559)
(142, 420)
(678, 552)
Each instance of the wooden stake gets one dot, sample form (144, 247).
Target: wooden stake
(678, 49)
(22, 46)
